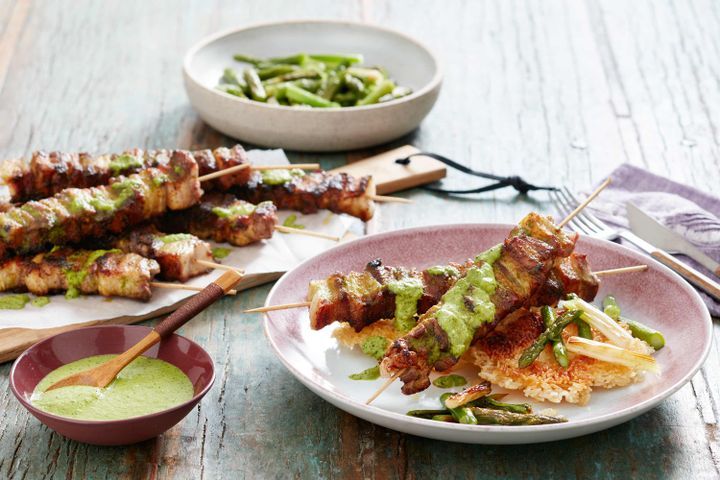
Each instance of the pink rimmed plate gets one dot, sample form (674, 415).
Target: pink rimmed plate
(657, 297)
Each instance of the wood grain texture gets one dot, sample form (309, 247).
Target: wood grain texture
(559, 91)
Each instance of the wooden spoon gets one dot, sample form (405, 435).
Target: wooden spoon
(103, 374)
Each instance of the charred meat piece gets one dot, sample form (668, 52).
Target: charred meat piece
(177, 254)
(224, 218)
(310, 192)
(103, 272)
(76, 215)
(361, 298)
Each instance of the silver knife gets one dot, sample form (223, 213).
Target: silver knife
(688, 273)
(647, 228)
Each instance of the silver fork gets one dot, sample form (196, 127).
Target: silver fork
(588, 224)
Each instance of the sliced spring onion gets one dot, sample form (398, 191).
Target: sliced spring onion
(598, 320)
(611, 354)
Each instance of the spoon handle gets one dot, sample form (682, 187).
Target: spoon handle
(198, 303)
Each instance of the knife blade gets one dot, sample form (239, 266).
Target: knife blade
(650, 230)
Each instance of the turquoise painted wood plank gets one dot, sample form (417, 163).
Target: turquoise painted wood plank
(561, 92)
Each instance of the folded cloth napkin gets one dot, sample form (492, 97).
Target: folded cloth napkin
(691, 213)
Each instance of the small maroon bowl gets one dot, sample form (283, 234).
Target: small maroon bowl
(42, 358)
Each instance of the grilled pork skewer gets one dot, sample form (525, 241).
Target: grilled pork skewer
(76, 215)
(497, 285)
(224, 218)
(362, 298)
(76, 272)
(46, 174)
(181, 256)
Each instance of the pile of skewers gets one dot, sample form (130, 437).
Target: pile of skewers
(535, 269)
(110, 224)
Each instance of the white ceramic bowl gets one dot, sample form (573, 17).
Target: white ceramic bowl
(331, 129)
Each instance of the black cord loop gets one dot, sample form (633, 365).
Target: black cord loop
(514, 181)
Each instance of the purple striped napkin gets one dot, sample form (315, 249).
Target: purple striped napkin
(691, 213)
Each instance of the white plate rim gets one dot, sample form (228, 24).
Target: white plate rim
(559, 430)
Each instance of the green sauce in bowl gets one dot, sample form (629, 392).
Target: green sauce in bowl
(146, 386)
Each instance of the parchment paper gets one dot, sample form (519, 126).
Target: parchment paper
(279, 254)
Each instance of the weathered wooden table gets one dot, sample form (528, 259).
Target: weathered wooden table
(560, 92)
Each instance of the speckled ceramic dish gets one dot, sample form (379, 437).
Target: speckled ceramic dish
(319, 129)
(46, 356)
(657, 297)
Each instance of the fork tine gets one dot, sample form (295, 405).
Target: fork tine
(587, 215)
(565, 207)
(579, 219)
(559, 204)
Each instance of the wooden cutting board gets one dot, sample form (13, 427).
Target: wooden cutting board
(390, 177)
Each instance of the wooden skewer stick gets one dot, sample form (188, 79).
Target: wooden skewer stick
(219, 266)
(309, 233)
(237, 168)
(384, 386)
(615, 271)
(284, 306)
(585, 203)
(388, 199)
(180, 286)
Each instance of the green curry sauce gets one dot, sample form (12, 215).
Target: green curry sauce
(123, 163)
(239, 209)
(280, 177)
(467, 304)
(220, 252)
(375, 346)
(407, 293)
(450, 381)
(147, 385)
(176, 237)
(76, 278)
(14, 302)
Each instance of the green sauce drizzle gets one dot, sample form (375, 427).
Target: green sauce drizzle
(123, 163)
(466, 306)
(40, 301)
(450, 381)
(375, 346)
(145, 386)
(290, 222)
(447, 270)
(220, 252)
(176, 237)
(76, 278)
(239, 209)
(490, 255)
(279, 177)
(407, 293)
(372, 373)
(14, 302)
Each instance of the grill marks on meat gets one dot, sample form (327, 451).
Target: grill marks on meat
(46, 174)
(178, 256)
(76, 215)
(328, 297)
(233, 225)
(521, 269)
(110, 274)
(308, 193)
(361, 298)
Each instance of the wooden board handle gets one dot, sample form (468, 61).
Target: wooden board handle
(688, 273)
